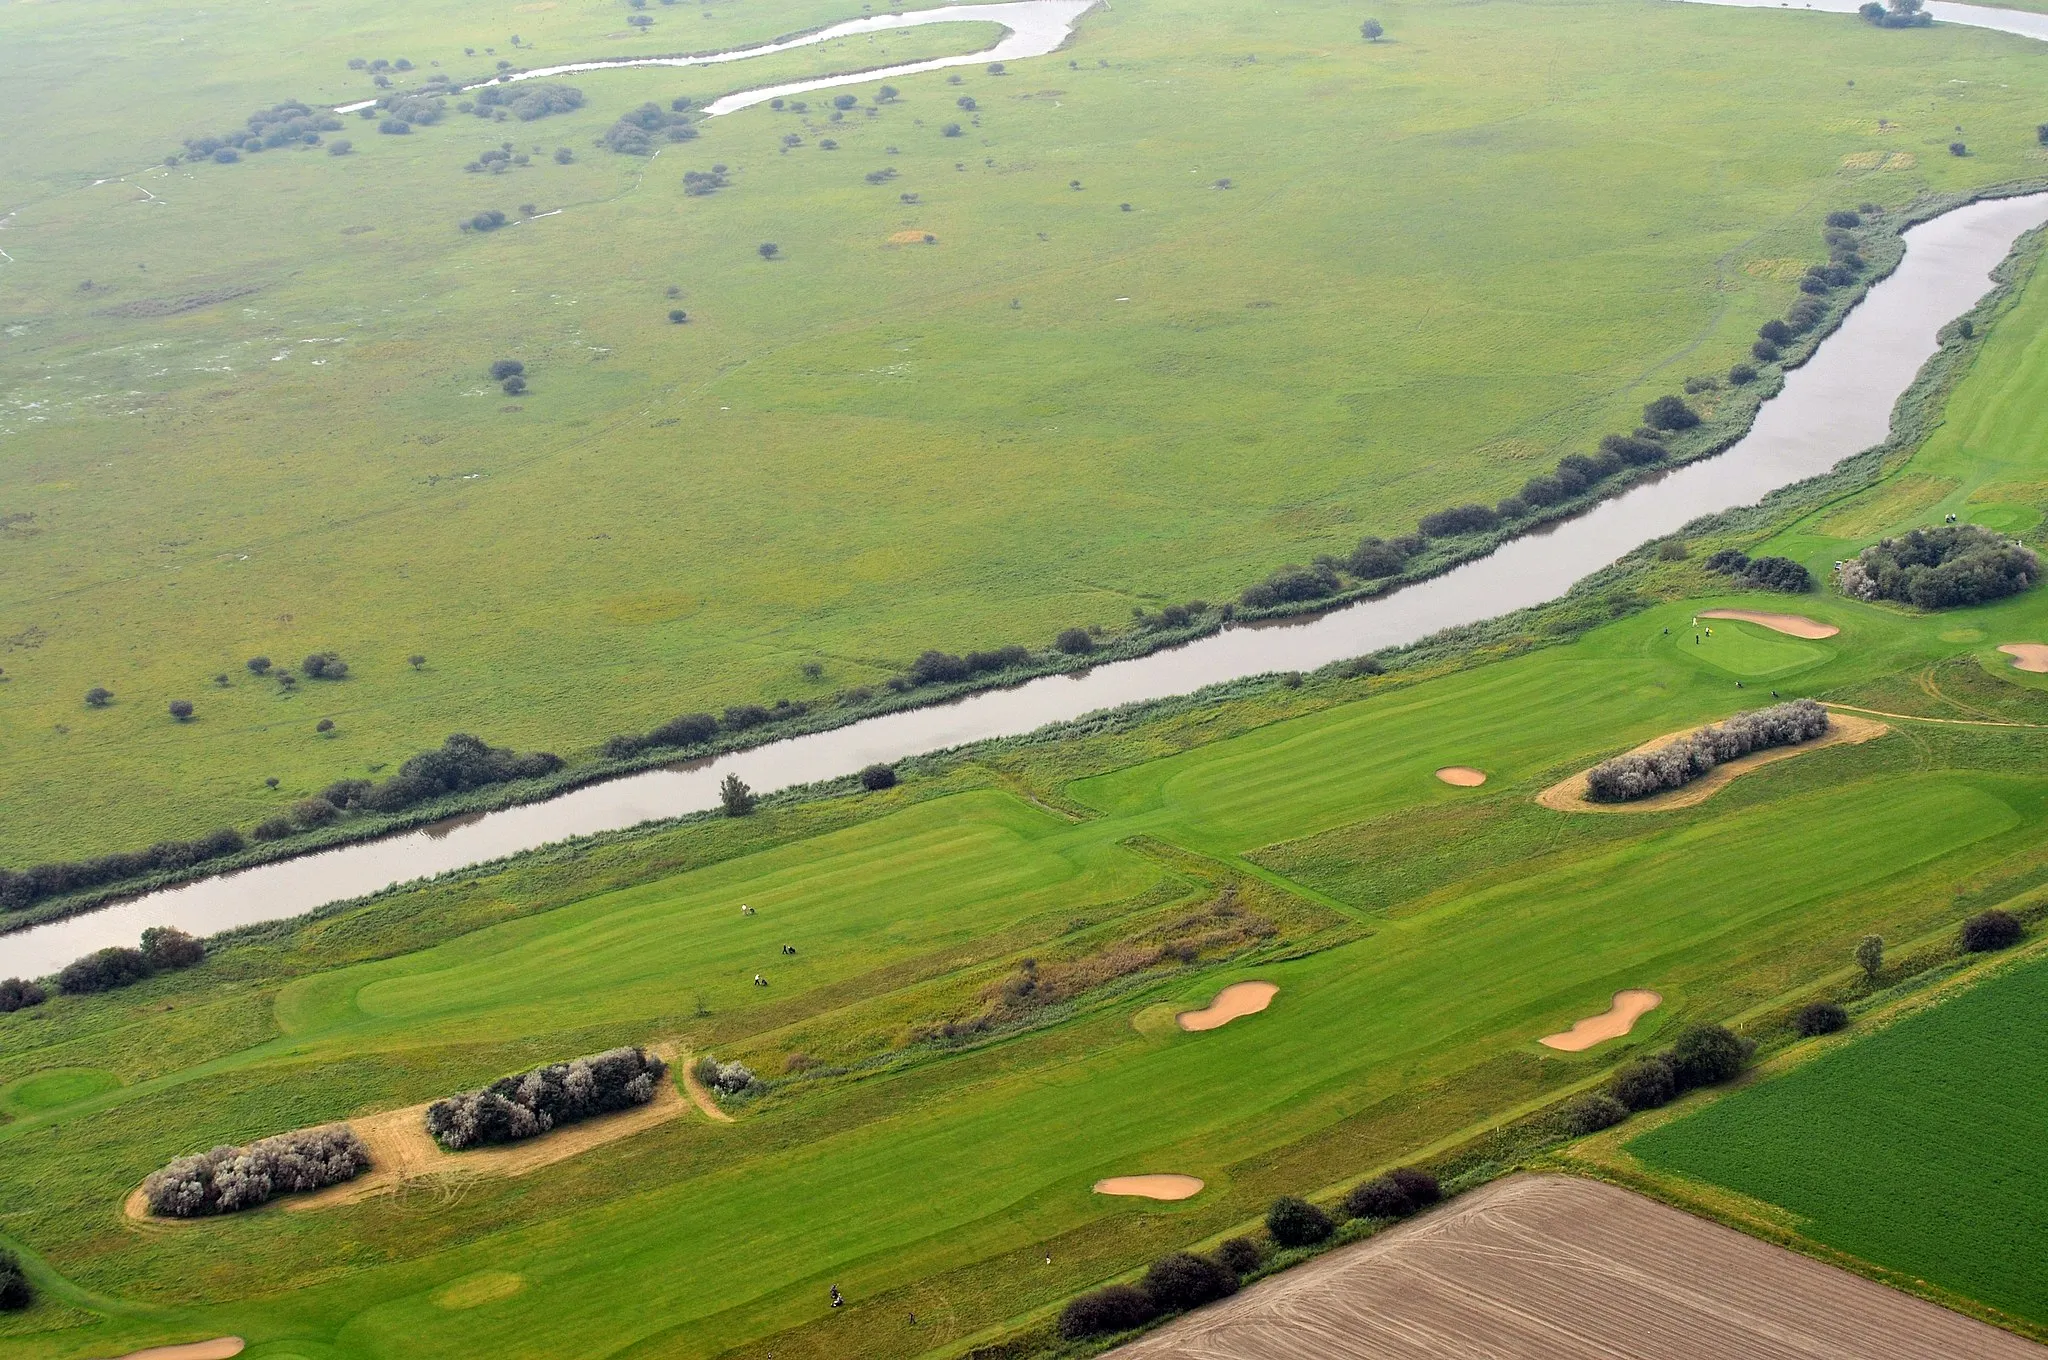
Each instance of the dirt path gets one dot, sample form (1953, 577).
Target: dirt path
(1951, 722)
(1569, 795)
(1792, 625)
(699, 1097)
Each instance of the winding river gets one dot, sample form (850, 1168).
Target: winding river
(1836, 405)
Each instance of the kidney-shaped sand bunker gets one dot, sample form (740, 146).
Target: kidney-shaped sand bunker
(1238, 999)
(1617, 1020)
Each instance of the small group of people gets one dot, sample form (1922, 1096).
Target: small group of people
(789, 949)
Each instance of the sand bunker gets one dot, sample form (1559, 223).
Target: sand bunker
(220, 1348)
(1238, 999)
(1150, 1187)
(2027, 656)
(913, 238)
(1618, 1020)
(1792, 625)
(401, 1150)
(1464, 776)
(1569, 795)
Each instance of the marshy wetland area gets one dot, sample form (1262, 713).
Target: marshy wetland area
(1006, 683)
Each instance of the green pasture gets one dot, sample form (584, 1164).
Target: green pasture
(1915, 1148)
(1444, 259)
(1428, 935)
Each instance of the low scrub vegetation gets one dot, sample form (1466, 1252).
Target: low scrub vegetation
(1401, 1192)
(104, 970)
(1703, 1055)
(526, 101)
(533, 1102)
(641, 131)
(1991, 930)
(726, 1078)
(1820, 1017)
(18, 994)
(1941, 567)
(291, 123)
(228, 1179)
(1762, 573)
(15, 1291)
(1640, 774)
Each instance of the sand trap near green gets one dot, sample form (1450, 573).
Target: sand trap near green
(2027, 656)
(1617, 1020)
(1792, 625)
(1234, 1002)
(1155, 1186)
(1462, 776)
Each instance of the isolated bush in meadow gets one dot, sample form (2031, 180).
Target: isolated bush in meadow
(1293, 585)
(15, 1291)
(1294, 1222)
(1940, 567)
(1990, 930)
(877, 777)
(99, 696)
(1820, 1017)
(727, 1078)
(1870, 956)
(324, 666)
(1399, 1193)
(1184, 1280)
(231, 1178)
(735, 798)
(273, 829)
(1670, 413)
(1741, 375)
(1242, 1255)
(1074, 642)
(1707, 1055)
(1640, 774)
(533, 1102)
(1106, 1311)
(17, 994)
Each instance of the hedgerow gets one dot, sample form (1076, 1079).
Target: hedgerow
(533, 1102)
(231, 1178)
(1640, 774)
(1764, 573)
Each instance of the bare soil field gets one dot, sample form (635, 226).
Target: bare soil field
(1569, 795)
(1558, 1268)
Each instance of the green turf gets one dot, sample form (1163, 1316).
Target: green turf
(1915, 1149)
(54, 1088)
(1446, 259)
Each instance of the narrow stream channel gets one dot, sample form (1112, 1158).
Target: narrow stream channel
(1835, 406)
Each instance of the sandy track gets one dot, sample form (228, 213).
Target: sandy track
(1792, 625)
(1557, 1268)
(1462, 776)
(1617, 1020)
(1237, 1000)
(401, 1150)
(699, 1097)
(2027, 656)
(1155, 1186)
(1569, 795)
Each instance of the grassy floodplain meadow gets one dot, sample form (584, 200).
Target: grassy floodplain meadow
(1422, 937)
(1442, 260)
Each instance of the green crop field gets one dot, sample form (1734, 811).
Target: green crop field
(1915, 1149)
(1443, 259)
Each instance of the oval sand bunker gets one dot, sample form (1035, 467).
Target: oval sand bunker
(220, 1348)
(1150, 1187)
(1618, 1020)
(1238, 999)
(2027, 656)
(1463, 776)
(1792, 625)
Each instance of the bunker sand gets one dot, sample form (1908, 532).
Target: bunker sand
(1151, 1186)
(1617, 1020)
(1557, 1268)
(1463, 776)
(1237, 1000)
(401, 1151)
(1792, 625)
(1569, 795)
(2027, 656)
(220, 1348)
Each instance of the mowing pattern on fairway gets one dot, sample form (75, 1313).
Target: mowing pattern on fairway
(1555, 1268)
(1917, 1148)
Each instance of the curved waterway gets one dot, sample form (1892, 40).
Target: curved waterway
(1034, 28)
(1835, 406)
(2018, 22)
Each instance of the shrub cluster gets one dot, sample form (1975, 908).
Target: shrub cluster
(231, 1178)
(1990, 930)
(1899, 14)
(1845, 265)
(1820, 1017)
(1401, 1192)
(635, 134)
(103, 970)
(288, 124)
(1936, 568)
(943, 668)
(15, 1291)
(1704, 1055)
(526, 102)
(697, 729)
(1640, 774)
(18, 994)
(461, 763)
(533, 1102)
(1763, 573)
(1576, 472)
(728, 1079)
